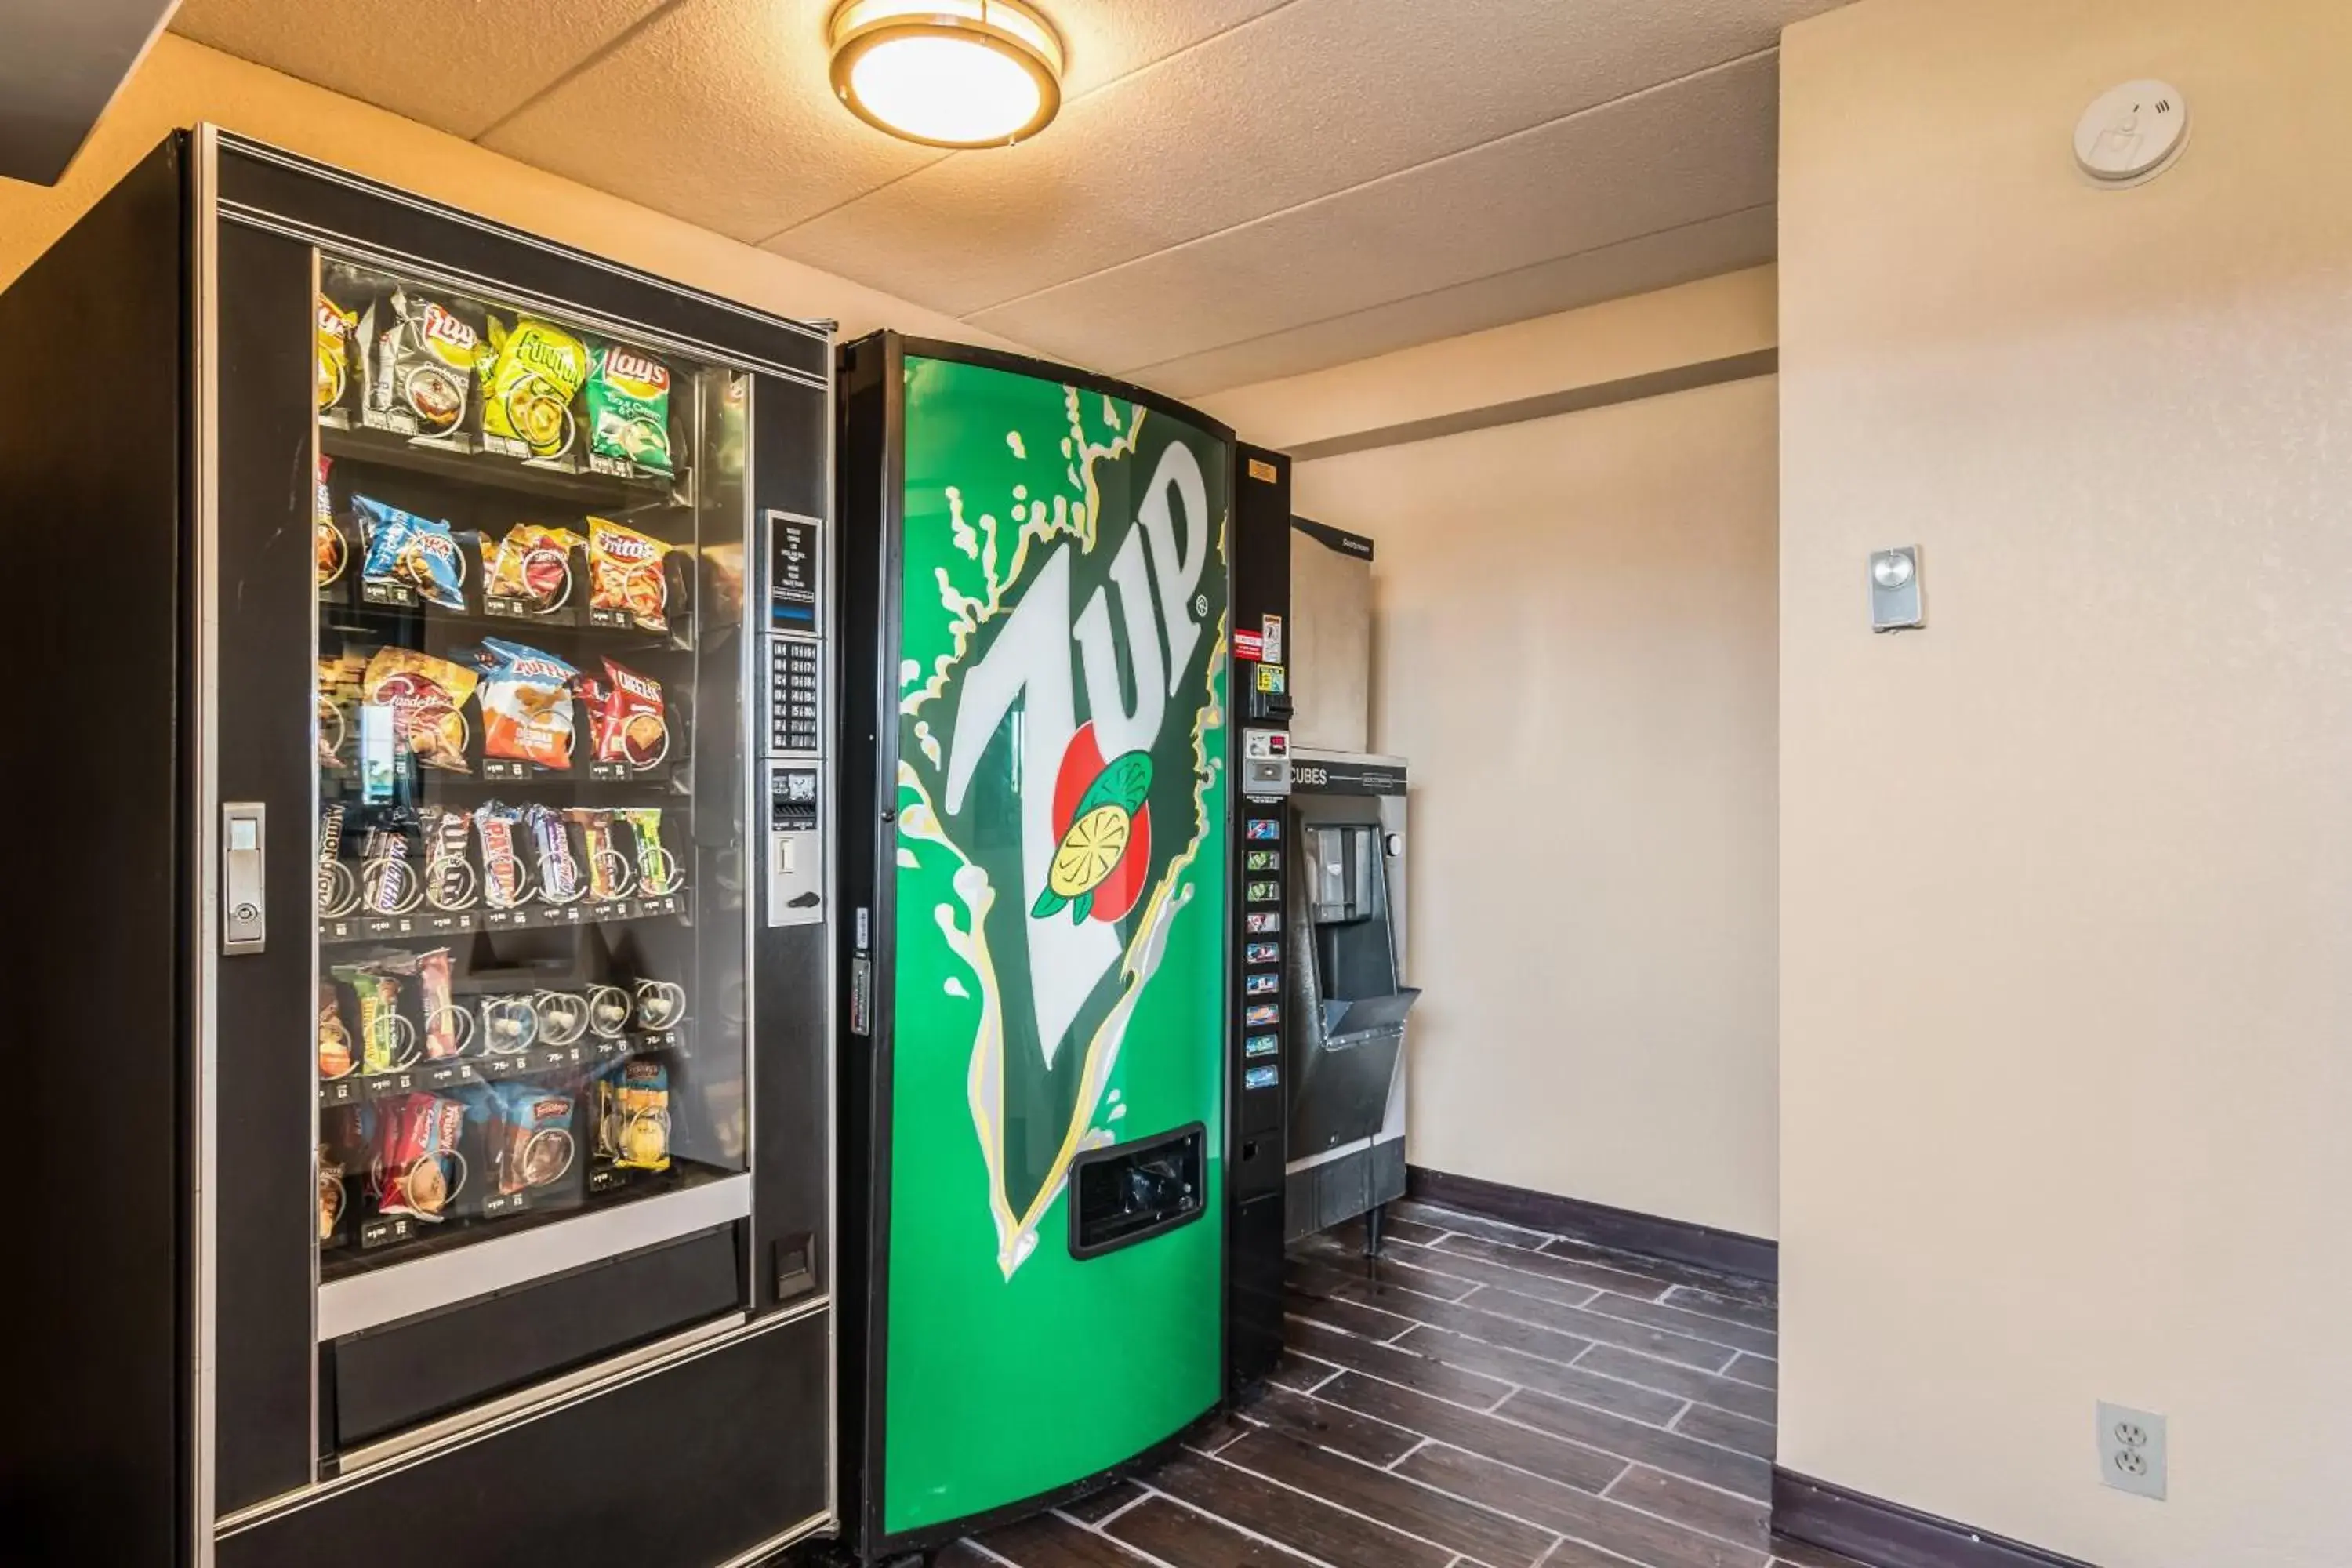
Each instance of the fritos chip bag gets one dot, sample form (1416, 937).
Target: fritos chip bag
(628, 407)
(525, 703)
(427, 698)
(625, 572)
(531, 373)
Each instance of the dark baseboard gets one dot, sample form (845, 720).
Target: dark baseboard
(1725, 1251)
(1889, 1535)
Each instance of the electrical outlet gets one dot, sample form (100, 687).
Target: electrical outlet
(2131, 1450)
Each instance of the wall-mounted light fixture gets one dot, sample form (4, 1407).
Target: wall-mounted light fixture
(948, 73)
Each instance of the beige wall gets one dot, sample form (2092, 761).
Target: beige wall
(1574, 647)
(2067, 1031)
(181, 83)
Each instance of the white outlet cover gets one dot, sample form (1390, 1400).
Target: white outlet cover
(2131, 1451)
(2131, 133)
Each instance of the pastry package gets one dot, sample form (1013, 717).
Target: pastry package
(335, 1057)
(532, 1144)
(531, 372)
(418, 1168)
(628, 407)
(448, 1028)
(386, 1039)
(427, 697)
(405, 550)
(633, 1116)
(626, 722)
(532, 564)
(625, 573)
(526, 704)
(657, 868)
(423, 362)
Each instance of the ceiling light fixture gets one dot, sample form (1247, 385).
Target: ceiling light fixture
(948, 73)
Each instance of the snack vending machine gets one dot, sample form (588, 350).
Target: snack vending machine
(429, 1018)
(1036, 588)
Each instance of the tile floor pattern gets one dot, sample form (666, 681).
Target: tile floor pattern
(1483, 1396)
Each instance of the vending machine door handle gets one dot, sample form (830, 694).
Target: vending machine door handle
(245, 896)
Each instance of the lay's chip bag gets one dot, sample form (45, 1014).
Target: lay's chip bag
(628, 407)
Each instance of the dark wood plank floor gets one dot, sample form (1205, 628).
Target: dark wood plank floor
(1482, 1396)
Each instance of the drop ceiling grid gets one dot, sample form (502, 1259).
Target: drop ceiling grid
(1236, 189)
(1658, 161)
(1324, 96)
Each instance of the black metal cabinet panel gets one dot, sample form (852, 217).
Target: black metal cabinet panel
(694, 1465)
(264, 1219)
(91, 1452)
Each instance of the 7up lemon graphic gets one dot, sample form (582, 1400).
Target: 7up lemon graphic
(1108, 820)
(1058, 975)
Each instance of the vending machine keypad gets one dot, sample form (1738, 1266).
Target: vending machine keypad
(796, 705)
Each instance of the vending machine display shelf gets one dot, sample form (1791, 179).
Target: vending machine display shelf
(366, 609)
(431, 1076)
(592, 482)
(342, 928)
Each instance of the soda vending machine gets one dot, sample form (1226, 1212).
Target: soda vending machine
(424, 1043)
(1037, 787)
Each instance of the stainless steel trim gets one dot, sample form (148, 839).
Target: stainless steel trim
(750, 714)
(419, 267)
(829, 770)
(532, 1405)
(310, 166)
(405, 1289)
(204, 743)
(310, 925)
(775, 1543)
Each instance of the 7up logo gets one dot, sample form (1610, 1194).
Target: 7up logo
(1056, 779)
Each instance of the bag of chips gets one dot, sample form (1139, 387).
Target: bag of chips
(628, 407)
(418, 1168)
(330, 550)
(531, 372)
(338, 325)
(424, 360)
(525, 703)
(427, 700)
(533, 562)
(633, 1116)
(405, 551)
(626, 718)
(625, 574)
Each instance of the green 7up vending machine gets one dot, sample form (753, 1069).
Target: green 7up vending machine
(1034, 571)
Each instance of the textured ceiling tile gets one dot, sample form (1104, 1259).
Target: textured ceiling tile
(723, 112)
(1702, 250)
(1667, 158)
(455, 64)
(1319, 96)
(718, 111)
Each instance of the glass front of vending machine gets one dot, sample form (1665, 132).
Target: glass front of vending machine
(502, 1179)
